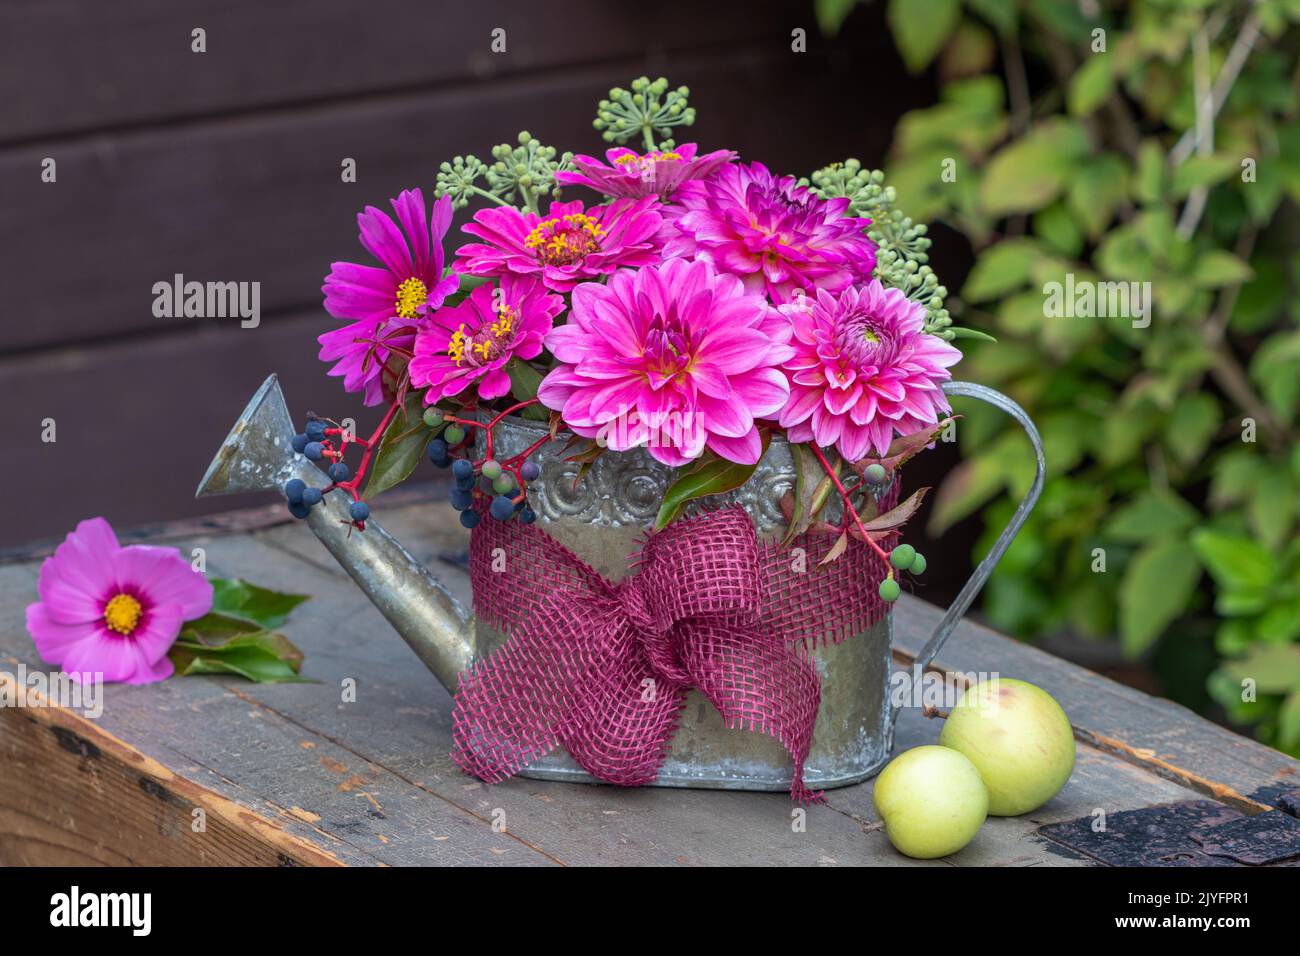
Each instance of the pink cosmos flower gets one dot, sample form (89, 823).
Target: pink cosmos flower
(113, 610)
(473, 341)
(863, 369)
(565, 247)
(383, 303)
(658, 173)
(674, 356)
(774, 234)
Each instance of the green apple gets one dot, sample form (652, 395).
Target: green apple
(932, 801)
(1018, 737)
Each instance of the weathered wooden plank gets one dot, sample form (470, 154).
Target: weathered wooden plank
(117, 66)
(1159, 735)
(260, 199)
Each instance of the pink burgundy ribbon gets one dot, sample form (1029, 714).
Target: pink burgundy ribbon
(603, 668)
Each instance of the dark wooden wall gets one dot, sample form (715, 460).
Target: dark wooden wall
(225, 166)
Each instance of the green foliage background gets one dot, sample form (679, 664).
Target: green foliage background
(1072, 131)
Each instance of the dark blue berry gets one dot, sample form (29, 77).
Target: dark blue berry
(359, 511)
(313, 450)
(299, 510)
(311, 497)
(463, 468)
(315, 431)
(293, 489)
(527, 515)
(529, 471)
(469, 519)
(339, 471)
(502, 508)
(299, 443)
(438, 453)
(461, 498)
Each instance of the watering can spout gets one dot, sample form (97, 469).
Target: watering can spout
(258, 455)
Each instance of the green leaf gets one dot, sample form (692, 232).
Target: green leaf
(1151, 515)
(1217, 268)
(1197, 171)
(261, 656)
(1288, 722)
(1157, 586)
(401, 448)
(262, 606)
(524, 380)
(1030, 172)
(1192, 424)
(812, 488)
(961, 332)
(921, 27)
(1002, 14)
(467, 284)
(1000, 269)
(1056, 227)
(1272, 507)
(1149, 184)
(1091, 84)
(1275, 668)
(1235, 563)
(709, 476)
(1097, 190)
(832, 13)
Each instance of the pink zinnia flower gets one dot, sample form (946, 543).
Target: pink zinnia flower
(863, 370)
(473, 341)
(383, 303)
(774, 234)
(113, 610)
(673, 356)
(631, 174)
(565, 247)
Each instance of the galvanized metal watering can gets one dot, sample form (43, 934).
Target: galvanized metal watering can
(600, 520)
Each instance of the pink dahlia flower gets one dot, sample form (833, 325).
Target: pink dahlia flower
(565, 247)
(473, 341)
(383, 302)
(630, 174)
(113, 610)
(774, 234)
(676, 357)
(863, 370)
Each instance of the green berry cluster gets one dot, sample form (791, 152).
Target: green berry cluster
(903, 244)
(519, 176)
(649, 110)
(904, 557)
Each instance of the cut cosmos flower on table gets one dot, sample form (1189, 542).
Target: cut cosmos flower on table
(694, 304)
(115, 613)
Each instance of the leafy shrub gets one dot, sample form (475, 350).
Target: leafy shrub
(1152, 141)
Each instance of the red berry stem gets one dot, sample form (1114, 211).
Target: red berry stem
(848, 504)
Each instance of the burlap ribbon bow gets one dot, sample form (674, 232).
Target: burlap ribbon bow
(603, 668)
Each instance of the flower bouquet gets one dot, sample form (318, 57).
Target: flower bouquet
(674, 391)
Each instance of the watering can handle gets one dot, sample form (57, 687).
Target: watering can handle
(975, 583)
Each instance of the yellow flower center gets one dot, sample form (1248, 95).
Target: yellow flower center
(487, 343)
(627, 159)
(562, 240)
(122, 614)
(411, 294)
